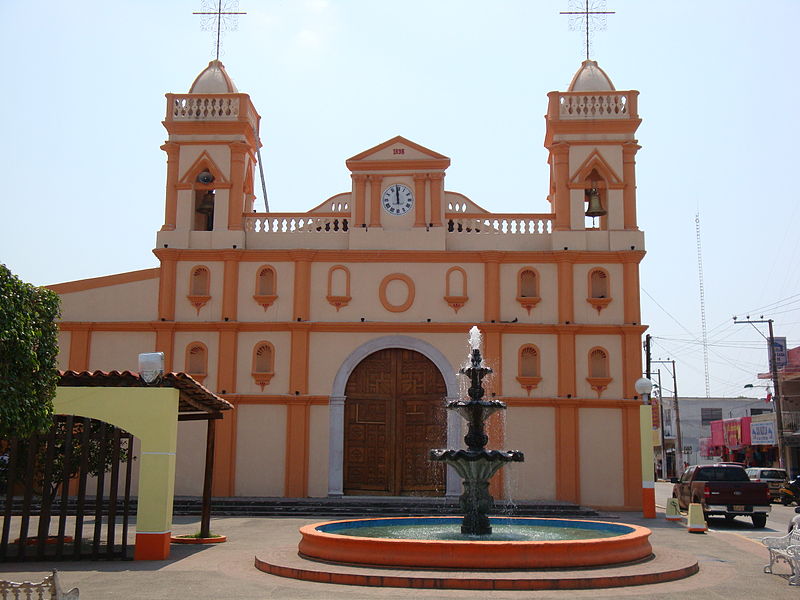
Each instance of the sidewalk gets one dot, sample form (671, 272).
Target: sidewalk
(730, 567)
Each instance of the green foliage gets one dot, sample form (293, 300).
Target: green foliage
(28, 350)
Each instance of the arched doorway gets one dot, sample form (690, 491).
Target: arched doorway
(394, 414)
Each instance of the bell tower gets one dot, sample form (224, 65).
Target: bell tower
(591, 139)
(211, 158)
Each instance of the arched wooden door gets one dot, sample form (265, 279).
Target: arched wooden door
(394, 414)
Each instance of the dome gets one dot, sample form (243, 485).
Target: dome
(590, 78)
(213, 80)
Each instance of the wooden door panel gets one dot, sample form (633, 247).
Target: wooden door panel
(368, 425)
(394, 414)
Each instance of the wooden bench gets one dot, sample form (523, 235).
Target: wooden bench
(787, 549)
(47, 589)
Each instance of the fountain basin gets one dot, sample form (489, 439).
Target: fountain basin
(623, 543)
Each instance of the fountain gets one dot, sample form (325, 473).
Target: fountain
(521, 543)
(476, 465)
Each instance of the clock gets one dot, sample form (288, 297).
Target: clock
(397, 199)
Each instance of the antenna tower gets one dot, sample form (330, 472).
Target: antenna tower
(702, 301)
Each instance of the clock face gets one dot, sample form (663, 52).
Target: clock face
(397, 199)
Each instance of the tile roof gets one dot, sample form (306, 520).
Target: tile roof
(193, 396)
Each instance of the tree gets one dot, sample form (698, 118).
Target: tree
(28, 351)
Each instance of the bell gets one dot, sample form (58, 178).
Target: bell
(206, 205)
(595, 208)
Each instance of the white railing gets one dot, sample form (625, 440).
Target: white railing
(593, 105)
(211, 107)
(499, 224)
(297, 223)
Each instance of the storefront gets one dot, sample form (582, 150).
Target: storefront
(747, 440)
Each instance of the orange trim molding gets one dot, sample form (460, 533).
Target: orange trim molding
(198, 301)
(599, 303)
(456, 301)
(338, 300)
(528, 383)
(107, 280)
(599, 383)
(264, 300)
(409, 298)
(262, 376)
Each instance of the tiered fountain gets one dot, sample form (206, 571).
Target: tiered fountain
(476, 465)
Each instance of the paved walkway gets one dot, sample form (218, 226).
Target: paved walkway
(730, 568)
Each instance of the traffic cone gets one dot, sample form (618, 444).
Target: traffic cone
(673, 512)
(696, 523)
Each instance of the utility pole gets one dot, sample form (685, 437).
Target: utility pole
(678, 436)
(664, 472)
(775, 383)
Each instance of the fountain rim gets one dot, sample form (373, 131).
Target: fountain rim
(476, 554)
(498, 520)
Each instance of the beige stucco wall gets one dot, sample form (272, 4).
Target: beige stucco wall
(211, 340)
(190, 458)
(260, 450)
(112, 351)
(613, 345)
(139, 299)
(585, 312)
(212, 311)
(547, 309)
(429, 286)
(532, 430)
(548, 364)
(281, 342)
(281, 309)
(318, 434)
(600, 448)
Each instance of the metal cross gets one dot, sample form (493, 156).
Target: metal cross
(214, 17)
(580, 18)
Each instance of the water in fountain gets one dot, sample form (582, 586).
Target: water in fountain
(476, 465)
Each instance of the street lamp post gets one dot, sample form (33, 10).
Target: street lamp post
(643, 387)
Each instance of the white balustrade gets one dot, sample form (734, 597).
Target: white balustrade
(205, 108)
(498, 224)
(297, 223)
(594, 105)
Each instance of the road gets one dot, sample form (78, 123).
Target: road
(777, 522)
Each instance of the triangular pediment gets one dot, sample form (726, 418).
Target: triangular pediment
(596, 162)
(397, 153)
(204, 162)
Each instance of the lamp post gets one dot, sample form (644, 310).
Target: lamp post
(644, 387)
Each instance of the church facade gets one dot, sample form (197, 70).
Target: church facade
(337, 333)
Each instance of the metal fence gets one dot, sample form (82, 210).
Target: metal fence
(67, 492)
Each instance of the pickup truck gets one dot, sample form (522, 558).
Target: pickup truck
(723, 489)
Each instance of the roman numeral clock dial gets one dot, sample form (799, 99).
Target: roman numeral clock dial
(397, 199)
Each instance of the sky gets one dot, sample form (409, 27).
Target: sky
(83, 100)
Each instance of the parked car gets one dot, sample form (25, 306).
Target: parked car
(723, 489)
(774, 478)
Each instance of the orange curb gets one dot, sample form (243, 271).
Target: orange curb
(458, 581)
(177, 539)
